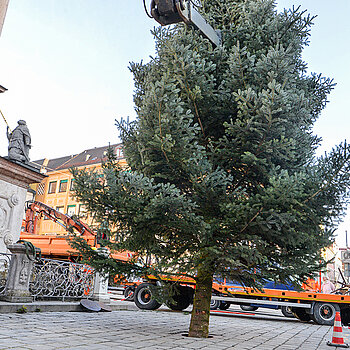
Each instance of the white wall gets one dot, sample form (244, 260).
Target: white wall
(3, 9)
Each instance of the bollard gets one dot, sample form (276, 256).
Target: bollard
(100, 292)
(101, 288)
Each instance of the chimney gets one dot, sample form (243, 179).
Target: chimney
(43, 169)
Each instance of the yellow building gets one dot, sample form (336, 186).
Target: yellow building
(56, 190)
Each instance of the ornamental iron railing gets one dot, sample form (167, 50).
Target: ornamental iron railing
(4, 270)
(61, 279)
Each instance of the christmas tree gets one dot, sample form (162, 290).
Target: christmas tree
(223, 177)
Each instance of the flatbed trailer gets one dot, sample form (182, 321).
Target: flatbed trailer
(305, 305)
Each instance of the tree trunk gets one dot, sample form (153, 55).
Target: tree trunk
(199, 326)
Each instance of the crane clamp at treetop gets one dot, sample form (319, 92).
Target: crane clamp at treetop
(167, 12)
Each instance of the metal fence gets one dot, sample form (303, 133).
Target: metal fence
(61, 279)
(54, 279)
(4, 269)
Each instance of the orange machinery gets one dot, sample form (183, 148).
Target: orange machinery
(56, 245)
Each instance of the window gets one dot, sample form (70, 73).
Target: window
(101, 178)
(82, 211)
(52, 187)
(63, 186)
(119, 152)
(71, 210)
(60, 209)
(72, 182)
(40, 189)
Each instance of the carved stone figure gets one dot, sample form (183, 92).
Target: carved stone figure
(19, 142)
(23, 275)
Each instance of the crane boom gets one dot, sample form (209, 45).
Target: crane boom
(56, 245)
(36, 209)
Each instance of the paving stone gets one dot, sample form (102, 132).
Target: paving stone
(158, 330)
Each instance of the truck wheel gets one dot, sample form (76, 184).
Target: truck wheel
(182, 300)
(324, 313)
(301, 314)
(248, 307)
(224, 305)
(287, 311)
(214, 304)
(143, 297)
(129, 293)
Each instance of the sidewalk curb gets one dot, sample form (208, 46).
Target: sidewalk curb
(58, 306)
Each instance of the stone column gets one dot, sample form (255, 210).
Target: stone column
(17, 285)
(101, 288)
(14, 181)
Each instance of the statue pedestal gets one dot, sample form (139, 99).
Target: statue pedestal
(17, 285)
(14, 181)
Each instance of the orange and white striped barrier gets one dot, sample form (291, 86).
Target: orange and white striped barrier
(337, 339)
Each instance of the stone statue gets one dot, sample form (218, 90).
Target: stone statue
(19, 142)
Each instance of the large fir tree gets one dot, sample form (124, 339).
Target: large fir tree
(223, 175)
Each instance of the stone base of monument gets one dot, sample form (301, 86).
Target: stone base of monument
(15, 178)
(19, 299)
(40, 306)
(17, 284)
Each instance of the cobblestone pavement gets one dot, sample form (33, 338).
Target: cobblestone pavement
(157, 330)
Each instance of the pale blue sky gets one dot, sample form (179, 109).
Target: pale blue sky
(65, 63)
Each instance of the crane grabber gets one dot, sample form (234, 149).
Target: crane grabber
(167, 12)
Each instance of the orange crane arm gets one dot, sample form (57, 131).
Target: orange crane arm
(37, 209)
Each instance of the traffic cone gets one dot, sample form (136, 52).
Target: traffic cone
(337, 339)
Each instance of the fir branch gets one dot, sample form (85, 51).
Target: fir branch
(331, 179)
(241, 66)
(252, 219)
(160, 132)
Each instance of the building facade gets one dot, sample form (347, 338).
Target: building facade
(56, 190)
(3, 9)
(332, 254)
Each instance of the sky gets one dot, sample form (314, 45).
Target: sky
(65, 65)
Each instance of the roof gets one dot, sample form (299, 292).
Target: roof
(88, 157)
